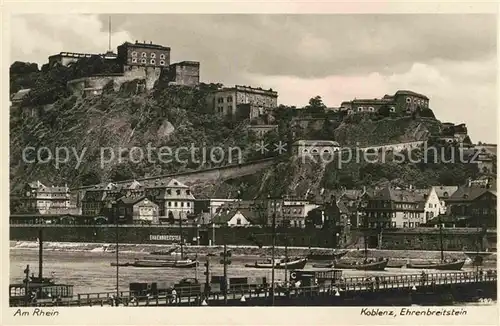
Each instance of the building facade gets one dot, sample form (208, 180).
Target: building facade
(443, 193)
(133, 210)
(186, 73)
(243, 102)
(261, 130)
(211, 205)
(233, 218)
(174, 199)
(36, 197)
(143, 54)
(395, 208)
(290, 212)
(315, 147)
(402, 102)
(473, 206)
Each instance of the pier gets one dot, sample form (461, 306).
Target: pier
(390, 290)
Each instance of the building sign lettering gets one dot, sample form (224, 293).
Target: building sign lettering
(163, 237)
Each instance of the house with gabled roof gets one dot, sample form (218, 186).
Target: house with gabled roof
(136, 210)
(235, 217)
(395, 208)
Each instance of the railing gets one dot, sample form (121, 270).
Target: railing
(195, 296)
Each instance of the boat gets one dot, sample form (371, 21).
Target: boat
(120, 264)
(443, 264)
(395, 265)
(332, 256)
(34, 288)
(170, 252)
(297, 263)
(366, 265)
(165, 263)
(325, 265)
(455, 265)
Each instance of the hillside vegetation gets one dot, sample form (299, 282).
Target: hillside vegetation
(177, 116)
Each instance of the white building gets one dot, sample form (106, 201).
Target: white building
(315, 147)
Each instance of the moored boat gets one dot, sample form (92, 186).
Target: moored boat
(280, 264)
(332, 256)
(165, 263)
(395, 265)
(325, 265)
(449, 266)
(378, 265)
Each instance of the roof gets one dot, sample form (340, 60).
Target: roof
(372, 100)
(316, 143)
(38, 185)
(169, 182)
(400, 195)
(465, 193)
(20, 94)
(342, 208)
(226, 215)
(146, 45)
(133, 200)
(186, 63)
(445, 191)
(407, 92)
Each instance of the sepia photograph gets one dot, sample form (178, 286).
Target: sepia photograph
(253, 160)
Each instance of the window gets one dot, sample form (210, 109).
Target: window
(393, 224)
(360, 108)
(175, 204)
(229, 99)
(178, 192)
(188, 192)
(169, 192)
(143, 61)
(238, 221)
(188, 204)
(134, 54)
(371, 108)
(411, 224)
(143, 54)
(182, 204)
(417, 224)
(152, 61)
(408, 100)
(153, 55)
(134, 60)
(162, 63)
(405, 224)
(162, 56)
(169, 204)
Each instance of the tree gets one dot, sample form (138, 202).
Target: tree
(384, 110)
(316, 105)
(314, 217)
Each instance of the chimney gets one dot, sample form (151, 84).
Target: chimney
(136, 41)
(469, 182)
(150, 42)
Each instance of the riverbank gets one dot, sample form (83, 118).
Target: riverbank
(395, 255)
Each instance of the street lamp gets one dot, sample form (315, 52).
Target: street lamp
(117, 258)
(273, 226)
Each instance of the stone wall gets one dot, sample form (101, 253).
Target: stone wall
(453, 239)
(97, 82)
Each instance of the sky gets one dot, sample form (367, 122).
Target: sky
(451, 58)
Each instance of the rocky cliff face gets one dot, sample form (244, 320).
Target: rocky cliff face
(93, 140)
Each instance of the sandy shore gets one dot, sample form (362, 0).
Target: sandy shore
(397, 255)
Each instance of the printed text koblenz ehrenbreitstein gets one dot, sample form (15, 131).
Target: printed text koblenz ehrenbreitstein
(414, 312)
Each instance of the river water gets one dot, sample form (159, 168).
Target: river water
(91, 272)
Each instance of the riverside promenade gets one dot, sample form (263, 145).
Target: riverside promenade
(436, 288)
